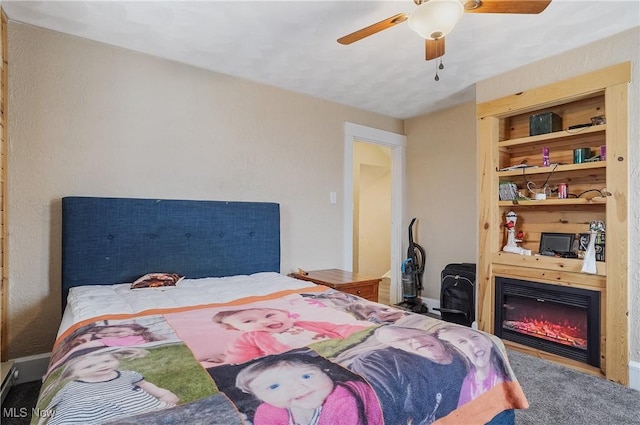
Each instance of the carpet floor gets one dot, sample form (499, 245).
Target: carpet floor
(559, 395)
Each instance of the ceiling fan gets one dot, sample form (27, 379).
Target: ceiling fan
(434, 19)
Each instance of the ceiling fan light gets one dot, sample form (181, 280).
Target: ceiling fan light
(436, 18)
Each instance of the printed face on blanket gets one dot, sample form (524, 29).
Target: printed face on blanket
(97, 390)
(298, 387)
(109, 376)
(115, 333)
(375, 313)
(444, 376)
(257, 329)
(487, 367)
(302, 358)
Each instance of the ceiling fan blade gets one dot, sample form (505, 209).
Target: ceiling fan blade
(372, 29)
(508, 6)
(433, 48)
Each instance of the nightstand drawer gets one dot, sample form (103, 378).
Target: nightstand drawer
(368, 291)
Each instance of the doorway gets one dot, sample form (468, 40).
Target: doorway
(371, 209)
(378, 143)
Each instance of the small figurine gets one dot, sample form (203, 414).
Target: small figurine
(512, 242)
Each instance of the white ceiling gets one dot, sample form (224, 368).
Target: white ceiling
(292, 44)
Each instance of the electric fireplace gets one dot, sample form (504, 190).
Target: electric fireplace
(557, 319)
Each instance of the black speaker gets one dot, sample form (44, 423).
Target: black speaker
(544, 123)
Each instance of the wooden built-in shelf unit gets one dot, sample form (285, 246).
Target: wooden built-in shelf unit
(504, 141)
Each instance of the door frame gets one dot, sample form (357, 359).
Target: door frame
(398, 144)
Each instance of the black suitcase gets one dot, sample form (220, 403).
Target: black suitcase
(458, 293)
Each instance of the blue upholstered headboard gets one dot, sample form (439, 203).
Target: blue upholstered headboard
(116, 240)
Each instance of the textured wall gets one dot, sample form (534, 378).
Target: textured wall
(617, 49)
(89, 119)
(441, 189)
(3, 186)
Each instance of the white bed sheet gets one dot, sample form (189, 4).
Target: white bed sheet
(85, 302)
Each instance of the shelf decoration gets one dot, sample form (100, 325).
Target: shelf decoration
(589, 262)
(512, 242)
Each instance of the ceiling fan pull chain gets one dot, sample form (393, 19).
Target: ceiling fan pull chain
(438, 67)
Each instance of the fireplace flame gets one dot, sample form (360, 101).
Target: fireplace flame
(563, 334)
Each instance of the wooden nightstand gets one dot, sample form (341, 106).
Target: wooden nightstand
(352, 283)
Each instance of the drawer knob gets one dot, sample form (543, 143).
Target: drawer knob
(358, 292)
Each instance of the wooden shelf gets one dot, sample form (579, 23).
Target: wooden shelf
(559, 169)
(597, 201)
(573, 265)
(564, 135)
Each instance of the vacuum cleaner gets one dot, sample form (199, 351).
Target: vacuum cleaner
(412, 273)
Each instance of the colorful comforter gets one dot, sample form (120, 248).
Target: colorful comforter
(300, 356)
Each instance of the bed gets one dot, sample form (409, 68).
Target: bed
(175, 311)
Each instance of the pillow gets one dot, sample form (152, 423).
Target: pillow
(155, 280)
